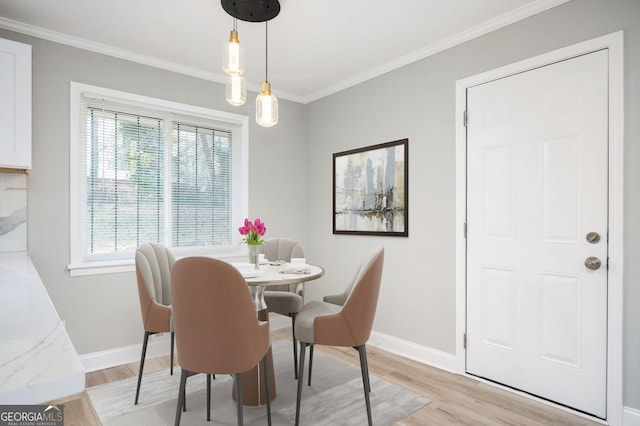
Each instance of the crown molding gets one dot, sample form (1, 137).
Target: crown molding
(459, 38)
(127, 55)
(477, 31)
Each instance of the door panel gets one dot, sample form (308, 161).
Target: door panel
(537, 184)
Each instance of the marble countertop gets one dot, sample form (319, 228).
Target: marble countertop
(38, 362)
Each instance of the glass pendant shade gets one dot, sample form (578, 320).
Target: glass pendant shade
(266, 107)
(236, 90)
(233, 57)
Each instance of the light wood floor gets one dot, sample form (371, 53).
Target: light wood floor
(456, 400)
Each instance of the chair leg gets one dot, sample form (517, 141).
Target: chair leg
(144, 354)
(184, 397)
(365, 379)
(295, 344)
(208, 397)
(366, 366)
(238, 378)
(266, 386)
(300, 379)
(173, 343)
(181, 395)
(310, 362)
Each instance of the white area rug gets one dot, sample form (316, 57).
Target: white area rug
(335, 397)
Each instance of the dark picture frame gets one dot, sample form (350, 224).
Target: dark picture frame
(371, 190)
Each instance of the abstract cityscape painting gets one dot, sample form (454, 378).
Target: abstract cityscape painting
(370, 190)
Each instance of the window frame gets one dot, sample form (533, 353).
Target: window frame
(79, 263)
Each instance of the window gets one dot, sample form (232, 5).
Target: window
(145, 169)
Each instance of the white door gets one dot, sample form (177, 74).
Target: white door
(537, 191)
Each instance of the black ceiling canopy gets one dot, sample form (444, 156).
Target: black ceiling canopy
(252, 10)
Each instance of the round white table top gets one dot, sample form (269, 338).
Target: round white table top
(277, 274)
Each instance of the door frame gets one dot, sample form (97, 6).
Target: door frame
(614, 43)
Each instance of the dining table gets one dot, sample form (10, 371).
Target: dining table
(267, 274)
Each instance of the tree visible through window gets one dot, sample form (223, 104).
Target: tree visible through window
(138, 174)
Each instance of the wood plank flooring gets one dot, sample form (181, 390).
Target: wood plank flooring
(456, 400)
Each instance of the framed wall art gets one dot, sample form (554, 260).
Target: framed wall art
(371, 190)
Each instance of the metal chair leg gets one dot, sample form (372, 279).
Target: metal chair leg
(208, 397)
(310, 362)
(238, 378)
(173, 343)
(142, 357)
(295, 344)
(266, 386)
(366, 366)
(300, 379)
(363, 369)
(181, 395)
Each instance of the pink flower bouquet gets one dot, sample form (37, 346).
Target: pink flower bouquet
(252, 232)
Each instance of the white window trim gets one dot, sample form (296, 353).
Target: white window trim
(78, 91)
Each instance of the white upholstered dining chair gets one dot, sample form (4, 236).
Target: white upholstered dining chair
(153, 273)
(286, 299)
(347, 324)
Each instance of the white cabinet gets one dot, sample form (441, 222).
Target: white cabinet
(15, 105)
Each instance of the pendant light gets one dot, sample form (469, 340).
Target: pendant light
(233, 60)
(266, 102)
(233, 64)
(236, 90)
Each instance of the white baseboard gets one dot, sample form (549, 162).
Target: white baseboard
(630, 417)
(423, 354)
(159, 345)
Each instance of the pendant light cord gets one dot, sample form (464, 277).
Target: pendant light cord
(266, 51)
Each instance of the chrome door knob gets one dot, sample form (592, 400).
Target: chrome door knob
(592, 263)
(593, 237)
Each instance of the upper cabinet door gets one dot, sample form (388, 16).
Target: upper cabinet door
(15, 105)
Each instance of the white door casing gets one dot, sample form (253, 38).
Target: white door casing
(537, 185)
(555, 229)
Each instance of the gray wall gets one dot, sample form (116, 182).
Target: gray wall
(417, 300)
(291, 166)
(102, 311)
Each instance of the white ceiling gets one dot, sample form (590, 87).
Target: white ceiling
(315, 47)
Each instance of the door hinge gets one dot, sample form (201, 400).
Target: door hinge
(465, 118)
(464, 340)
(465, 229)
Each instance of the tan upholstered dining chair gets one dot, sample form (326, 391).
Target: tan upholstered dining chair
(153, 273)
(286, 299)
(216, 327)
(348, 324)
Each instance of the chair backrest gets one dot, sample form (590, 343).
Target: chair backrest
(341, 299)
(153, 273)
(359, 309)
(281, 249)
(215, 322)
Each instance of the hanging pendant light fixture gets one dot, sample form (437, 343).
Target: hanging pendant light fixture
(236, 90)
(266, 102)
(233, 60)
(233, 65)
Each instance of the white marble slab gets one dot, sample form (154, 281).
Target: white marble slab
(13, 212)
(38, 362)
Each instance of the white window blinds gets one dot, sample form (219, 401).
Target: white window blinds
(201, 186)
(146, 169)
(125, 181)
